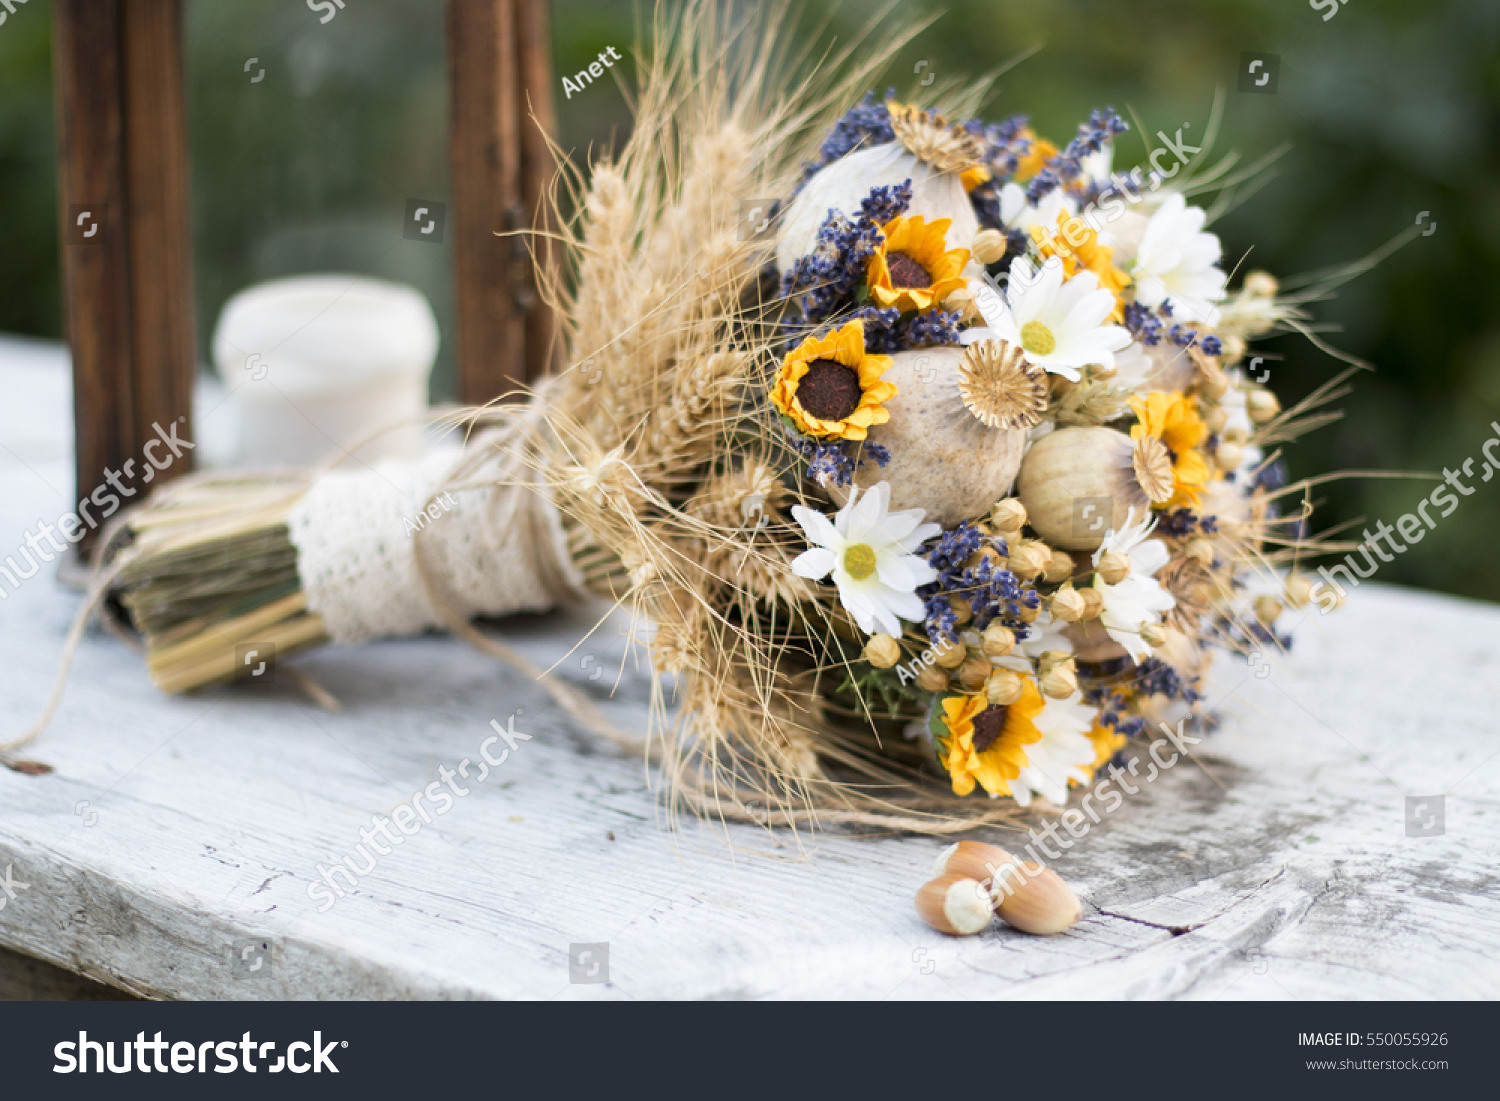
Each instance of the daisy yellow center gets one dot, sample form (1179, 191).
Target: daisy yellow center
(859, 560)
(1037, 339)
(906, 272)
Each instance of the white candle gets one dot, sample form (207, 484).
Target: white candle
(318, 362)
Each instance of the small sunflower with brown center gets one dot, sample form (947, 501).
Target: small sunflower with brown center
(1173, 418)
(830, 388)
(986, 743)
(913, 268)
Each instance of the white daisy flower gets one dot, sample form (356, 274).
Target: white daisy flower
(1063, 753)
(1058, 323)
(1138, 599)
(1177, 260)
(868, 549)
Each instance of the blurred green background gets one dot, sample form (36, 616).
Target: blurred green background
(1391, 108)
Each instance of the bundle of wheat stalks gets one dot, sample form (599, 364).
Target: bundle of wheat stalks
(826, 457)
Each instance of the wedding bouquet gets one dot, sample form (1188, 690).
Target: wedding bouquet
(943, 481)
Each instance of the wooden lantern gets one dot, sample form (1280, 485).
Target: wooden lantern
(123, 203)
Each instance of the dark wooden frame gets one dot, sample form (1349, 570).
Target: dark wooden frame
(123, 203)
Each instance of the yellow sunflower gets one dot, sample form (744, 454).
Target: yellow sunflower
(985, 742)
(913, 268)
(831, 389)
(1173, 418)
(1078, 247)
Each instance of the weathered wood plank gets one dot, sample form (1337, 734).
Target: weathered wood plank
(175, 843)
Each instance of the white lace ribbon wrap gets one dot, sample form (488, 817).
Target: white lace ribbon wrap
(489, 549)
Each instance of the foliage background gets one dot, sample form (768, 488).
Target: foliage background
(1391, 108)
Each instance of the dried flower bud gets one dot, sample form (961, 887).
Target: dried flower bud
(1093, 602)
(999, 640)
(1008, 515)
(985, 554)
(1152, 634)
(1267, 608)
(1298, 590)
(1059, 682)
(1211, 382)
(1261, 284)
(1027, 614)
(1113, 567)
(974, 673)
(882, 651)
(950, 655)
(1234, 349)
(1229, 456)
(963, 611)
(1029, 559)
(1003, 688)
(962, 300)
(1261, 405)
(1235, 434)
(1048, 660)
(955, 905)
(988, 247)
(1215, 417)
(1200, 550)
(932, 679)
(1067, 604)
(1059, 566)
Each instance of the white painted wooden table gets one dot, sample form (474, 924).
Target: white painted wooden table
(171, 851)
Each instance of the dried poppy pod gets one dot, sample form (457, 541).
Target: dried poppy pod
(943, 459)
(1079, 483)
(955, 905)
(846, 183)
